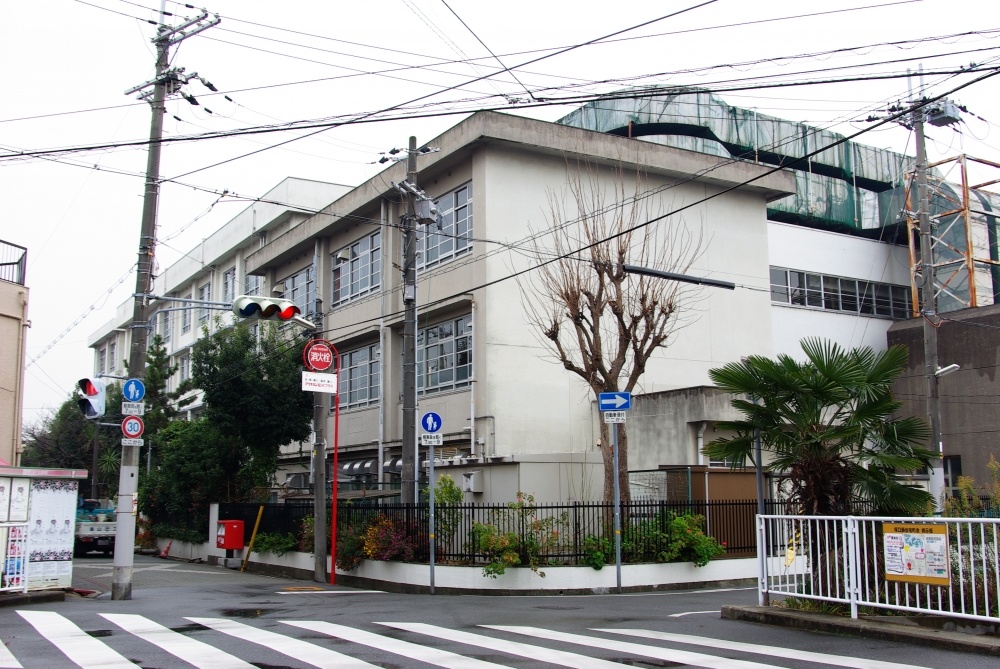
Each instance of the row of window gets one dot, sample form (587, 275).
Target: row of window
(868, 298)
(444, 362)
(357, 268)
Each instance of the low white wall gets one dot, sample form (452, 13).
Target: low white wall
(556, 578)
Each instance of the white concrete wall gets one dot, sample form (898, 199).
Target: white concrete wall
(821, 252)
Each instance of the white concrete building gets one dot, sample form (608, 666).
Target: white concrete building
(514, 419)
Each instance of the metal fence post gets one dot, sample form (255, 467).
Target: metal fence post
(853, 560)
(763, 598)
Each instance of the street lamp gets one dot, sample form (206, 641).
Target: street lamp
(672, 276)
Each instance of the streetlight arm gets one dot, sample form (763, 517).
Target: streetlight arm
(673, 276)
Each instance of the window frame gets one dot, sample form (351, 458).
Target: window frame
(293, 292)
(229, 284)
(364, 269)
(873, 299)
(366, 370)
(451, 237)
(204, 295)
(452, 346)
(186, 315)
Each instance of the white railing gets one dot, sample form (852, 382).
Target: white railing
(13, 556)
(945, 566)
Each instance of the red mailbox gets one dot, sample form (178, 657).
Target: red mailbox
(229, 534)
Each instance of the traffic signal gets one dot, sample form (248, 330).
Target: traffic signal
(248, 306)
(94, 397)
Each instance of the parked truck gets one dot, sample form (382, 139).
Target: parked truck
(95, 528)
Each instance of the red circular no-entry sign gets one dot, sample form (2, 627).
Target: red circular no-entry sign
(318, 355)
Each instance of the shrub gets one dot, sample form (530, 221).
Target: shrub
(350, 548)
(384, 539)
(307, 529)
(279, 544)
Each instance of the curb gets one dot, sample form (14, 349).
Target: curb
(24, 599)
(870, 629)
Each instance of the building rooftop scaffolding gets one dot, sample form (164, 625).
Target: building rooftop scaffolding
(848, 188)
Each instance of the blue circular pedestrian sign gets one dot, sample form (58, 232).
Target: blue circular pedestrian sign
(134, 390)
(430, 422)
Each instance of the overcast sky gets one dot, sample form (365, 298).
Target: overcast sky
(65, 64)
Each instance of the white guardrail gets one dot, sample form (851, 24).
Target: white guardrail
(945, 566)
(13, 556)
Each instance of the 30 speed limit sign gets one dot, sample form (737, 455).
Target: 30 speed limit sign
(132, 427)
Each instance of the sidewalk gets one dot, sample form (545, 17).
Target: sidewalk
(980, 644)
(92, 578)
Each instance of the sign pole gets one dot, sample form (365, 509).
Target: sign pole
(614, 406)
(430, 529)
(618, 506)
(431, 437)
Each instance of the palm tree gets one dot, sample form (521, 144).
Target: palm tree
(827, 425)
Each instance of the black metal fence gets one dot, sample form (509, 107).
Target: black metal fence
(566, 533)
(276, 518)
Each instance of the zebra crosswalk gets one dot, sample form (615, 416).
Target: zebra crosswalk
(224, 643)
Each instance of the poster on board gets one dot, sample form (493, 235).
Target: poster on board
(51, 527)
(916, 553)
(4, 498)
(19, 492)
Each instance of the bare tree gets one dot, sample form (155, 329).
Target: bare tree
(598, 322)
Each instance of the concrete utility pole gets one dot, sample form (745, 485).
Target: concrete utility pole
(319, 473)
(409, 490)
(128, 481)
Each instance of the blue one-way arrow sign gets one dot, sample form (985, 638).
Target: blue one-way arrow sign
(618, 401)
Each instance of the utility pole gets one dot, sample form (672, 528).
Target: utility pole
(319, 472)
(128, 482)
(409, 490)
(928, 309)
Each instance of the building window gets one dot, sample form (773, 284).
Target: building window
(357, 269)
(184, 366)
(952, 470)
(252, 284)
(102, 359)
(205, 295)
(360, 377)
(727, 462)
(834, 293)
(229, 284)
(165, 325)
(186, 315)
(452, 237)
(301, 289)
(112, 356)
(444, 356)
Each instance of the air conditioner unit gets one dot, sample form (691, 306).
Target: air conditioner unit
(472, 481)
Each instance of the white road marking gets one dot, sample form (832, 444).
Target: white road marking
(775, 651)
(669, 654)
(330, 592)
(690, 613)
(7, 659)
(303, 651)
(190, 650)
(537, 653)
(81, 648)
(439, 658)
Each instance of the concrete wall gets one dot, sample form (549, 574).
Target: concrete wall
(821, 252)
(969, 420)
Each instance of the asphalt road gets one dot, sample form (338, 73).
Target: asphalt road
(195, 615)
